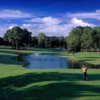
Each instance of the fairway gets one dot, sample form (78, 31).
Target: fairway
(19, 83)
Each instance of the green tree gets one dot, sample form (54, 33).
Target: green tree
(1, 41)
(34, 41)
(73, 40)
(26, 38)
(96, 38)
(41, 40)
(61, 41)
(87, 39)
(17, 37)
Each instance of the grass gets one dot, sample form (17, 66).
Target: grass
(18, 83)
(90, 57)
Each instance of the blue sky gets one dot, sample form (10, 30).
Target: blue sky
(53, 17)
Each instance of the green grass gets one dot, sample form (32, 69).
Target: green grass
(89, 57)
(18, 83)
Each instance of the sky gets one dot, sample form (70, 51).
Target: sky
(52, 17)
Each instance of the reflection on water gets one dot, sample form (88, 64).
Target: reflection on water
(40, 61)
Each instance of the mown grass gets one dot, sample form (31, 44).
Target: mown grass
(90, 57)
(19, 83)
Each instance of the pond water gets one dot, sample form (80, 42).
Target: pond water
(41, 61)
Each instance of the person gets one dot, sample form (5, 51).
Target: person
(84, 69)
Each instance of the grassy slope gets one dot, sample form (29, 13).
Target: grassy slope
(88, 57)
(17, 82)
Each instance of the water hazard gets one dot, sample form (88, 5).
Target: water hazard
(42, 61)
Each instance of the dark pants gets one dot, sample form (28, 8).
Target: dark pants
(84, 75)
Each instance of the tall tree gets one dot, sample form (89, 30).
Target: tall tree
(34, 41)
(41, 40)
(96, 38)
(1, 41)
(73, 40)
(26, 38)
(87, 39)
(17, 37)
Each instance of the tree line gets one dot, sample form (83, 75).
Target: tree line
(84, 39)
(79, 39)
(19, 38)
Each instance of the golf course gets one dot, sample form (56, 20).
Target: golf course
(20, 83)
(49, 49)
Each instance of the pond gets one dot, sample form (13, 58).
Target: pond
(43, 61)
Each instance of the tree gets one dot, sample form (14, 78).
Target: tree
(34, 41)
(87, 39)
(53, 41)
(8, 38)
(1, 41)
(96, 38)
(41, 40)
(26, 38)
(17, 37)
(73, 40)
(61, 42)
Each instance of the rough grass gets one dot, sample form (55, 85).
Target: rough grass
(18, 83)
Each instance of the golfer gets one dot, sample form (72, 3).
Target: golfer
(84, 69)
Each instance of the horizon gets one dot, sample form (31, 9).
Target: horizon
(52, 17)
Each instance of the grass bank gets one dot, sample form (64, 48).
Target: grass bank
(89, 57)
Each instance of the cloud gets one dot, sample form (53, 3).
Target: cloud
(3, 30)
(85, 15)
(46, 20)
(11, 14)
(53, 26)
(5, 27)
(80, 22)
(11, 26)
(49, 25)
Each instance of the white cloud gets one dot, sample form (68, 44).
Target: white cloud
(9, 13)
(85, 15)
(54, 26)
(80, 22)
(46, 20)
(4, 28)
(51, 21)
(11, 26)
(51, 26)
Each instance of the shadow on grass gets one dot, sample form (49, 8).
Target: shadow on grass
(8, 59)
(57, 87)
